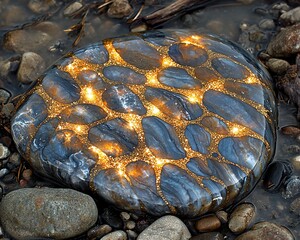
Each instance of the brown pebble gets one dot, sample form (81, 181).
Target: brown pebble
(223, 216)
(99, 231)
(23, 183)
(290, 130)
(241, 217)
(208, 224)
(119, 9)
(125, 216)
(27, 174)
(130, 225)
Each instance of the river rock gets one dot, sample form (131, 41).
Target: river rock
(295, 206)
(166, 228)
(208, 223)
(51, 213)
(98, 231)
(4, 96)
(286, 42)
(73, 7)
(40, 6)
(241, 217)
(32, 38)
(32, 65)
(277, 66)
(116, 235)
(4, 152)
(291, 17)
(119, 9)
(267, 231)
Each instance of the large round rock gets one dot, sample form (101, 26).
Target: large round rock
(49, 213)
(161, 122)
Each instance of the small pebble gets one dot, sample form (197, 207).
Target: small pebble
(116, 235)
(290, 130)
(266, 231)
(295, 206)
(15, 159)
(4, 96)
(9, 178)
(292, 187)
(125, 216)
(296, 162)
(72, 8)
(166, 228)
(208, 236)
(241, 217)
(208, 224)
(291, 17)
(112, 217)
(32, 65)
(27, 174)
(4, 151)
(278, 66)
(281, 6)
(40, 6)
(131, 234)
(267, 24)
(130, 225)
(119, 9)
(223, 216)
(99, 231)
(3, 172)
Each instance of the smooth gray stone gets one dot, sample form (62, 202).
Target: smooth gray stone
(95, 53)
(199, 139)
(166, 228)
(123, 75)
(91, 78)
(205, 74)
(215, 125)
(31, 213)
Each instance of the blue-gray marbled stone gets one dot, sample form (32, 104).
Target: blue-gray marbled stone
(178, 78)
(239, 112)
(199, 139)
(158, 38)
(215, 125)
(29, 116)
(229, 69)
(114, 137)
(162, 139)
(173, 104)
(136, 52)
(82, 114)
(61, 86)
(199, 167)
(95, 53)
(183, 191)
(188, 54)
(91, 78)
(123, 75)
(143, 183)
(121, 99)
(205, 74)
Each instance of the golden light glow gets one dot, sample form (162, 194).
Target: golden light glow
(195, 97)
(78, 129)
(196, 37)
(152, 78)
(88, 94)
(251, 79)
(113, 54)
(167, 62)
(235, 130)
(154, 110)
(216, 85)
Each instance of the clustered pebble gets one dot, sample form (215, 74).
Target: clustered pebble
(34, 208)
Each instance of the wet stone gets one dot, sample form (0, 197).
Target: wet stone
(295, 206)
(61, 86)
(162, 139)
(82, 114)
(205, 74)
(267, 231)
(278, 66)
(199, 139)
(4, 151)
(121, 99)
(96, 54)
(229, 69)
(114, 137)
(119, 9)
(208, 236)
(91, 78)
(241, 217)
(112, 217)
(40, 6)
(146, 58)
(99, 231)
(123, 75)
(166, 228)
(116, 235)
(55, 213)
(208, 224)
(173, 104)
(72, 8)
(215, 125)
(188, 54)
(178, 78)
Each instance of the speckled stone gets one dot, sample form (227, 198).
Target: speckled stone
(49, 213)
(166, 228)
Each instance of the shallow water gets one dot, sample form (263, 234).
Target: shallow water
(220, 17)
